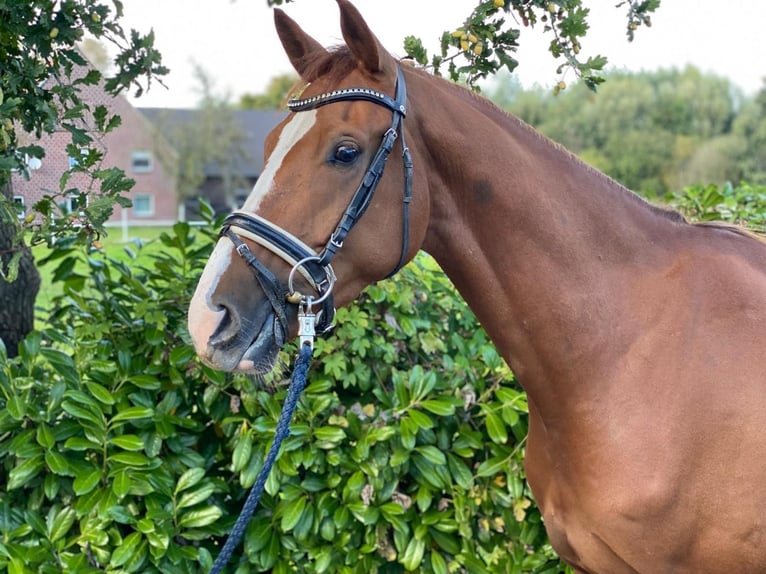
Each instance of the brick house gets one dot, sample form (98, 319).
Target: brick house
(131, 147)
(225, 186)
(137, 146)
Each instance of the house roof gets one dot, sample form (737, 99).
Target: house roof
(254, 126)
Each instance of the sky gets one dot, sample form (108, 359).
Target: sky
(235, 43)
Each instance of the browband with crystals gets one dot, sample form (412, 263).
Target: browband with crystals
(345, 94)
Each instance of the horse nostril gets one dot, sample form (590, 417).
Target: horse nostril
(228, 327)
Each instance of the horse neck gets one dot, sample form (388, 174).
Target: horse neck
(534, 240)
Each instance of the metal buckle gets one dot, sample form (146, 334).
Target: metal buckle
(334, 241)
(242, 248)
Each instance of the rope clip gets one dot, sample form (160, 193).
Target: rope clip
(306, 322)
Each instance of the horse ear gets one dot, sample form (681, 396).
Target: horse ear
(366, 48)
(297, 44)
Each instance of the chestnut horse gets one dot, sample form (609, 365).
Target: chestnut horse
(635, 334)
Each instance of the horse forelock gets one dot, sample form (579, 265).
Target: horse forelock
(331, 66)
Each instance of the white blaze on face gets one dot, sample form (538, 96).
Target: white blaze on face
(204, 316)
(296, 128)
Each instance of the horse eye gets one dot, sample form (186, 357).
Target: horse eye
(345, 154)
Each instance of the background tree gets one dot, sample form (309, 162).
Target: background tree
(198, 138)
(273, 97)
(652, 131)
(39, 92)
(750, 126)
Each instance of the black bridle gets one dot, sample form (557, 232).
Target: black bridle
(316, 268)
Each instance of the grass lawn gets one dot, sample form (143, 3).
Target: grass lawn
(114, 245)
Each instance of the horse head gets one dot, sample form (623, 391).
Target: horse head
(324, 219)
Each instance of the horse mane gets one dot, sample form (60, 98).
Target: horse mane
(491, 109)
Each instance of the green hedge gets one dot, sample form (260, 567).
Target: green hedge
(119, 452)
(744, 204)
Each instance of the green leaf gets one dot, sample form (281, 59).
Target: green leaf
(429, 472)
(84, 414)
(21, 474)
(16, 406)
(62, 363)
(330, 434)
(432, 454)
(460, 472)
(200, 517)
(121, 514)
(57, 463)
(438, 564)
(181, 355)
(292, 512)
(407, 431)
(205, 559)
(147, 382)
(189, 478)
(128, 442)
(79, 443)
(59, 523)
(121, 483)
(413, 554)
(380, 434)
(496, 428)
(242, 452)
(258, 535)
(132, 413)
(45, 436)
(193, 497)
(85, 482)
(100, 393)
(391, 509)
(130, 458)
(368, 515)
(422, 420)
(127, 550)
(439, 407)
(51, 486)
(492, 466)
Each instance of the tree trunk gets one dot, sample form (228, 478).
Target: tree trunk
(17, 299)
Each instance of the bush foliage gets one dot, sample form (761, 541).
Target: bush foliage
(744, 204)
(120, 452)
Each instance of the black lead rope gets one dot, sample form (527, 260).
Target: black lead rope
(297, 385)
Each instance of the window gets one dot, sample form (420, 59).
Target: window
(72, 204)
(143, 205)
(75, 161)
(66, 205)
(141, 161)
(18, 202)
